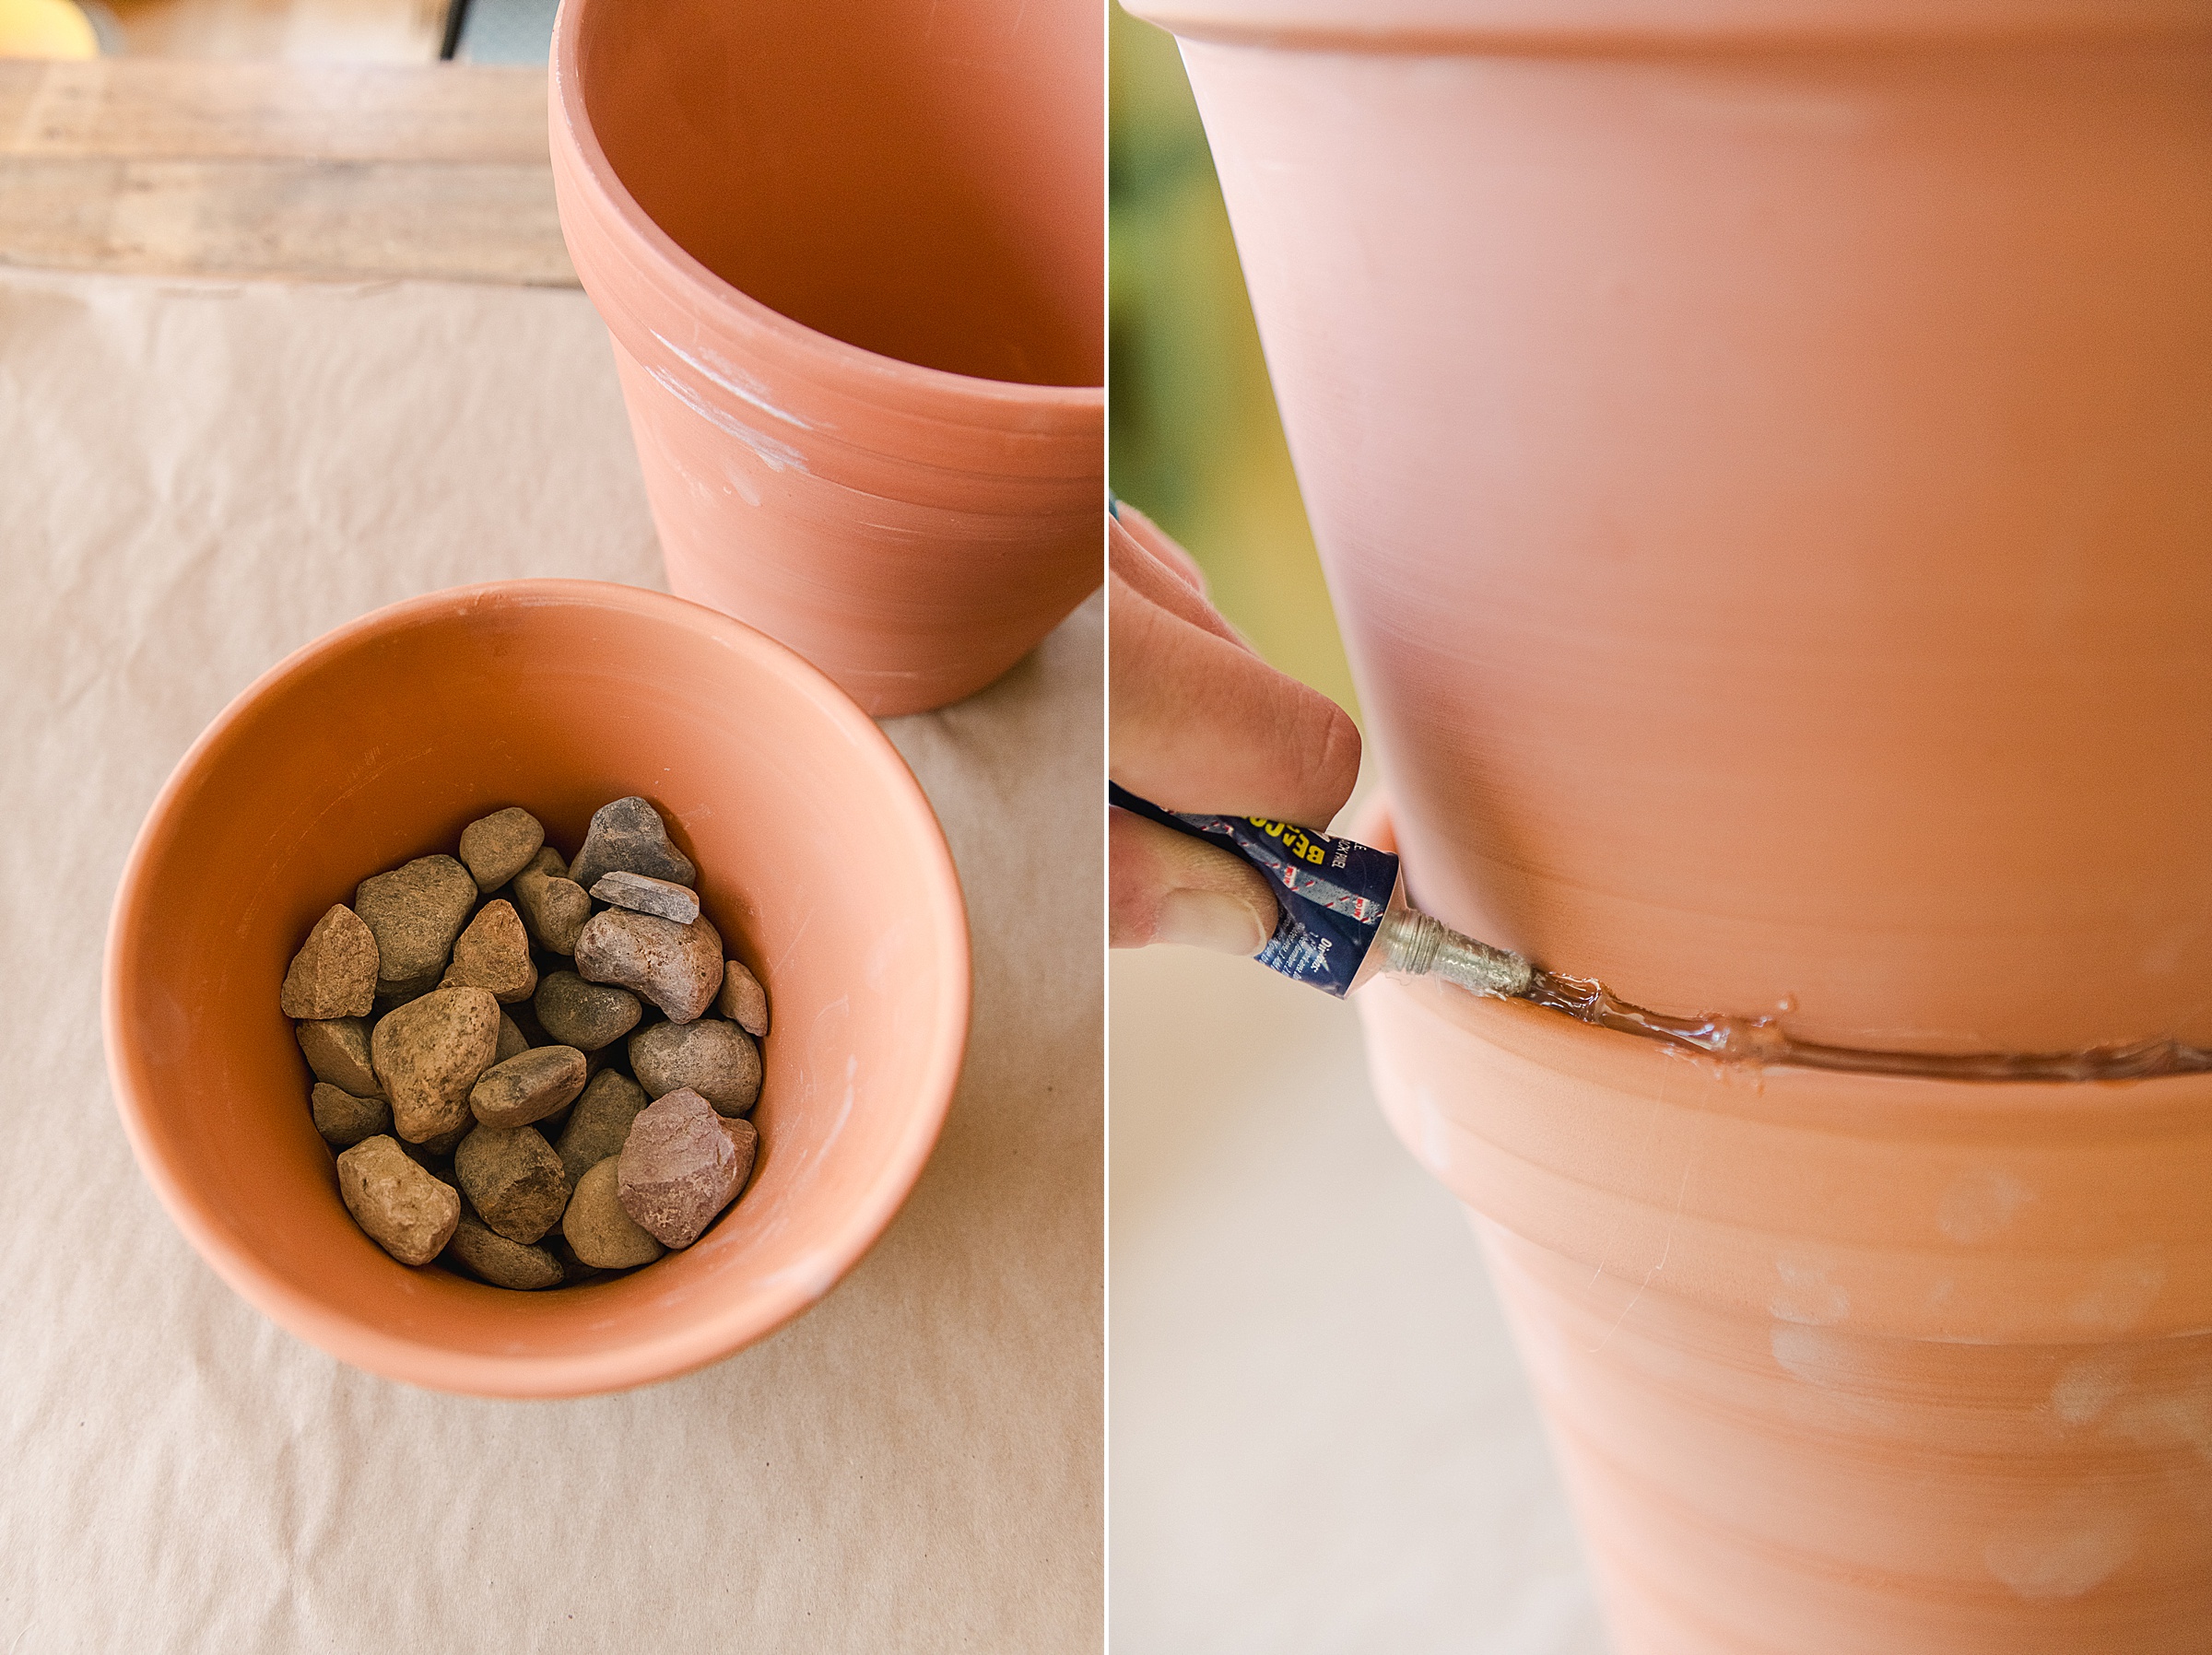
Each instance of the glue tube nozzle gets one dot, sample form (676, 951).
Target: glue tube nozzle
(1411, 943)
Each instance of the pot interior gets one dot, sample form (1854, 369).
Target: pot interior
(920, 180)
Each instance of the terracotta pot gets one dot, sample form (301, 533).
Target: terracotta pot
(1841, 1363)
(821, 864)
(851, 259)
(1758, 453)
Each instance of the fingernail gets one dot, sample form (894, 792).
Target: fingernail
(1216, 920)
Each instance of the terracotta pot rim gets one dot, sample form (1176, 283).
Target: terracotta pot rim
(662, 262)
(752, 1314)
(1520, 28)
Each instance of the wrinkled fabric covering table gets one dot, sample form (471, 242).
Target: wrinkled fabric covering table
(195, 480)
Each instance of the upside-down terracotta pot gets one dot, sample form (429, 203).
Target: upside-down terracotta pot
(1841, 1363)
(820, 864)
(851, 258)
(1761, 453)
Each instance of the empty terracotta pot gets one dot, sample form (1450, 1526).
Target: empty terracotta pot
(1758, 453)
(851, 258)
(820, 862)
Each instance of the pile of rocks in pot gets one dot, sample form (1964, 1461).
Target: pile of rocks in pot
(513, 1054)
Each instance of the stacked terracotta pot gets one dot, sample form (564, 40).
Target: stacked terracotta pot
(1762, 456)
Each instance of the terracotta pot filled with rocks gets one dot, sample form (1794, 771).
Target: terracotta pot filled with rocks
(440, 982)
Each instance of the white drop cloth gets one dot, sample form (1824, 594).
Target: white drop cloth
(194, 482)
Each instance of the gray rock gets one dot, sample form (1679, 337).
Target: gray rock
(406, 1211)
(337, 1050)
(629, 835)
(599, 1124)
(641, 895)
(678, 968)
(743, 1001)
(511, 1176)
(493, 953)
(527, 1088)
(512, 1041)
(333, 974)
(602, 1235)
(416, 912)
(553, 908)
(429, 1054)
(715, 1059)
(344, 1119)
(497, 847)
(491, 1257)
(586, 1015)
(677, 1169)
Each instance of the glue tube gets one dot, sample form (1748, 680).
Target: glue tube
(1341, 917)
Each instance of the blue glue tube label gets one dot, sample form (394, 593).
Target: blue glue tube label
(1331, 893)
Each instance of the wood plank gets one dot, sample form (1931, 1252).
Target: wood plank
(328, 171)
(316, 220)
(140, 107)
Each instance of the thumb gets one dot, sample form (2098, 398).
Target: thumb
(1165, 887)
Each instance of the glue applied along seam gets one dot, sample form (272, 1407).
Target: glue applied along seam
(1762, 1040)
(1343, 920)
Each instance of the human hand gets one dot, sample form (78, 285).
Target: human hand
(1197, 722)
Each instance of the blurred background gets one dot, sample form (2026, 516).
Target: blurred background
(1193, 438)
(1320, 1440)
(371, 31)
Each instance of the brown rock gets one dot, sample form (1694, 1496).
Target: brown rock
(345, 1119)
(406, 1211)
(429, 1054)
(333, 974)
(715, 1059)
(641, 895)
(529, 1088)
(676, 967)
(678, 1169)
(511, 1176)
(497, 847)
(599, 1124)
(494, 953)
(553, 908)
(586, 1015)
(337, 1050)
(743, 1001)
(489, 1255)
(416, 912)
(629, 835)
(745, 1139)
(602, 1235)
(512, 1041)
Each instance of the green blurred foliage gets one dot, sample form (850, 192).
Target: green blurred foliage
(1193, 437)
